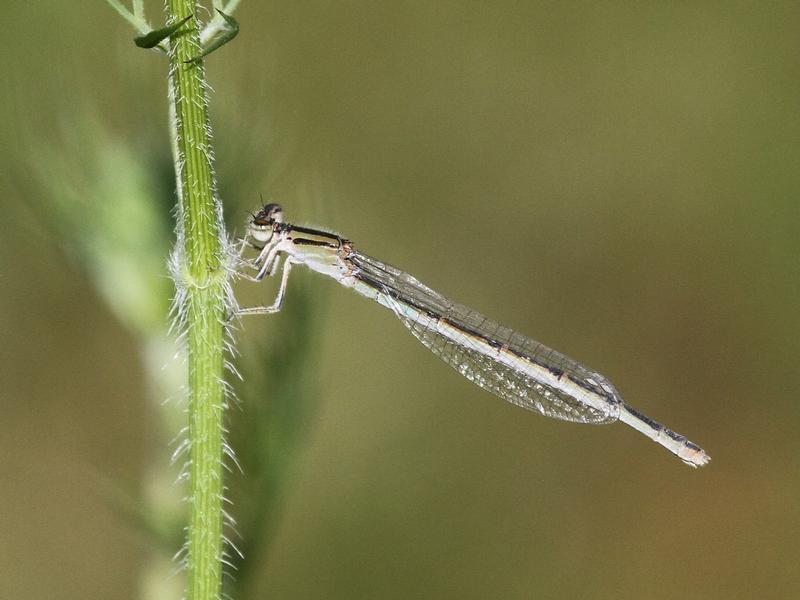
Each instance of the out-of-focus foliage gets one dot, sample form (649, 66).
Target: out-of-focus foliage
(106, 208)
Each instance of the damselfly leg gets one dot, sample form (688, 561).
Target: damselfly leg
(270, 256)
(276, 305)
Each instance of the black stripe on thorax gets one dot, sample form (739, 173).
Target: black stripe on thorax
(291, 228)
(296, 235)
(308, 242)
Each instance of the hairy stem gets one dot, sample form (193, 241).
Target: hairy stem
(202, 293)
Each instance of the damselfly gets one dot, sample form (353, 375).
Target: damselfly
(504, 362)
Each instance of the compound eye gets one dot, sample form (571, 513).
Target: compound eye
(271, 213)
(274, 212)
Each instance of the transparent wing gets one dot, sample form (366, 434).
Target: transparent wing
(460, 336)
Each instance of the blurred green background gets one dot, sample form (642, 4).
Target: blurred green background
(616, 180)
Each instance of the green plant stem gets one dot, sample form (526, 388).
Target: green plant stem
(203, 277)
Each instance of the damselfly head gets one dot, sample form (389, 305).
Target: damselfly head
(271, 213)
(262, 223)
